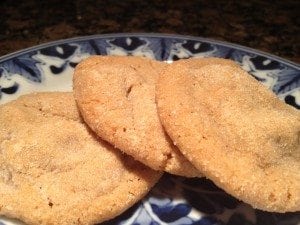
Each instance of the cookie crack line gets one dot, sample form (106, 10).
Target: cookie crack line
(47, 113)
(128, 91)
(101, 103)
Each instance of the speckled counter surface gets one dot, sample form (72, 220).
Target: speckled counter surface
(271, 26)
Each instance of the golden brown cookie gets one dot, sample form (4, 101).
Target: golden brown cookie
(54, 170)
(116, 96)
(196, 63)
(235, 131)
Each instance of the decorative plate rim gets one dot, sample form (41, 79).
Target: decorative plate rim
(150, 35)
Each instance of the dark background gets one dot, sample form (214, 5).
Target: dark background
(271, 26)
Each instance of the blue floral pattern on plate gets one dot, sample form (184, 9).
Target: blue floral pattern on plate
(174, 200)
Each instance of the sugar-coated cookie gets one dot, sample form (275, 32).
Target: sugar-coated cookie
(234, 130)
(55, 170)
(116, 97)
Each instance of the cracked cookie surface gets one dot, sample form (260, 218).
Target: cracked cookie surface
(234, 130)
(116, 96)
(55, 170)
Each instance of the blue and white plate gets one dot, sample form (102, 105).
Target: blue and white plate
(175, 200)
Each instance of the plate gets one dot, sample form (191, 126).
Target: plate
(174, 200)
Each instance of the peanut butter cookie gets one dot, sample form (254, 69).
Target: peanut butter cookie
(116, 97)
(234, 130)
(54, 170)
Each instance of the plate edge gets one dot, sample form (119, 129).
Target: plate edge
(149, 35)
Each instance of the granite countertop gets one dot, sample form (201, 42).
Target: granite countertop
(271, 26)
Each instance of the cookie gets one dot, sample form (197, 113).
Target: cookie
(196, 63)
(235, 131)
(116, 97)
(55, 170)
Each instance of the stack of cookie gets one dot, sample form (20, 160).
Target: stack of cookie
(195, 117)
